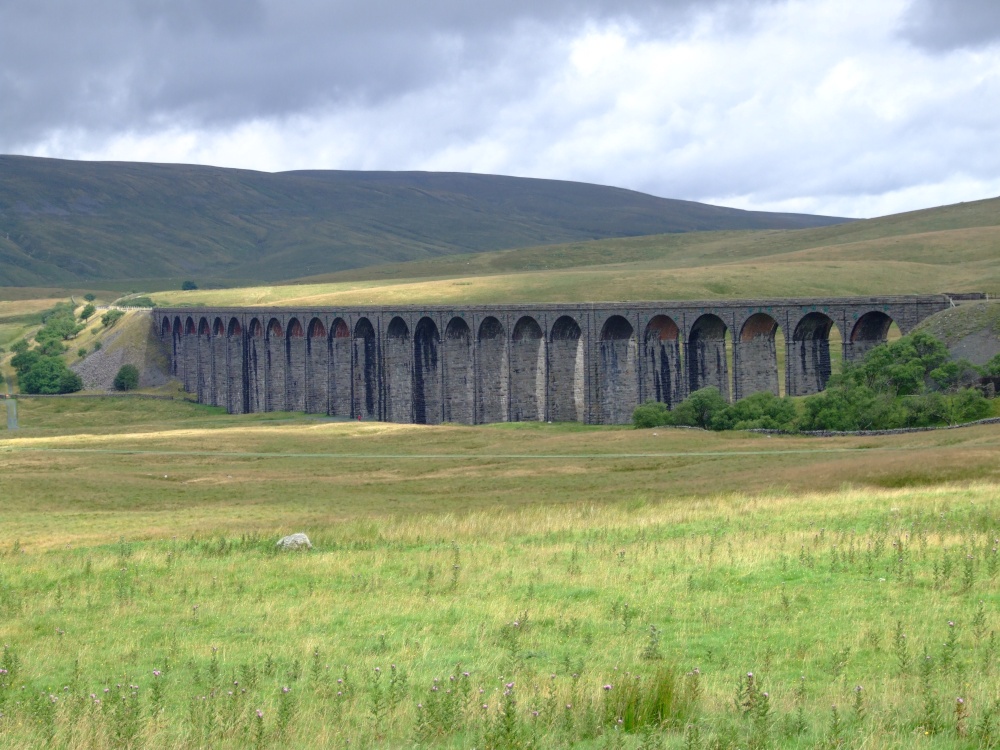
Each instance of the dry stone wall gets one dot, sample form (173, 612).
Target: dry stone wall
(588, 362)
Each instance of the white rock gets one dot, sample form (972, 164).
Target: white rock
(295, 541)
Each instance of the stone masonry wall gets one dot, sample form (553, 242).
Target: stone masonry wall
(584, 362)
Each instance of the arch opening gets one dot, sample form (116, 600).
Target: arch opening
(707, 358)
(238, 371)
(427, 391)
(566, 395)
(339, 385)
(275, 361)
(398, 372)
(756, 357)
(457, 373)
(663, 369)
(365, 401)
(527, 371)
(812, 354)
(494, 371)
(618, 371)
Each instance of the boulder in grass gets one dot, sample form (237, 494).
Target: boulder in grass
(295, 541)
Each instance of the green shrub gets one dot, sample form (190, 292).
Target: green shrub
(760, 411)
(89, 297)
(700, 408)
(188, 286)
(127, 378)
(49, 375)
(97, 346)
(140, 302)
(992, 368)
(81, 352)
(87, 311)
(111, 317)
(652, 414)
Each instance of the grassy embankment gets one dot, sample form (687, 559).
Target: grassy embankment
(139, 537)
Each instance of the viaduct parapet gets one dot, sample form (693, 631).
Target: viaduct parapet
(589, 362)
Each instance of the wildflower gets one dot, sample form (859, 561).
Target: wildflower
(260, 714)
(156, 673)
(284, 689)
(607, 688)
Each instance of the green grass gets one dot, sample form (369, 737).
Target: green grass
(139, 536)
(948, 249)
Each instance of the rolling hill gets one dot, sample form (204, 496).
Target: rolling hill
(948, 249)
(67, 222)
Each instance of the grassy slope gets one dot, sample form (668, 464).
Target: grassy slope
(745, 555)
(953, 248)
(62, 221)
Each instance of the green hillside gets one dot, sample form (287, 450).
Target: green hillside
(64, 222)
(948, 249)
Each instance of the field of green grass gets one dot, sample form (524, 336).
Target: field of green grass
(505, 586)
(948, 249)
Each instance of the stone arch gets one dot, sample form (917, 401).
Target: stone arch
(256, 369)
(165, 327)
(871, 330)
(236, 381)
(295, 366)
(493, 370)
(274, 346)
(365, 366)
(662, 374)
(566, 396)
(398, 372)
(809, 365)
(177, 349)
(617, 377)
(189, 354)
(339, 369)
(204, 364)
(756, 356)
(458, 373)
(527, 371)
(220, 364)
(427, 391)
(706, 350)
(317, 357)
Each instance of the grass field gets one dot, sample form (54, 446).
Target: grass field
(948, 249)
(545, 561)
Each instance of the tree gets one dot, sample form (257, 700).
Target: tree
(87, 311)
(760, 411)
(50, 375)
(89, 297)
(127, 378)
(700, 408)
(111, 317)
(188, 286)
(652, 414)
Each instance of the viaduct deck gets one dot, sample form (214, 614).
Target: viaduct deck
(586, 362)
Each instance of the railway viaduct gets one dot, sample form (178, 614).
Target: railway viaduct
(586, 362)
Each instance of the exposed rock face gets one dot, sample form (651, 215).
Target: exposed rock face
(295, 541)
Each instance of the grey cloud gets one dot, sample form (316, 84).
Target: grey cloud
(945, 25)
(108, 66)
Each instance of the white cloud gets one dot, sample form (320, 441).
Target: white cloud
(809, 106)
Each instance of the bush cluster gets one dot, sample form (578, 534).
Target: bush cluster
(911, 382)
(41, 369)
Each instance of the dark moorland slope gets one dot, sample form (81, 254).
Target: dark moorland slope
(66, 221)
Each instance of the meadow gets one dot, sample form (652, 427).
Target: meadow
(498, 586)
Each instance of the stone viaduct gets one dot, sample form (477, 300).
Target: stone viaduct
(586, 362)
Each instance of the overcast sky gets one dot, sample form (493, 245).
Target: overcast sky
(847, 107)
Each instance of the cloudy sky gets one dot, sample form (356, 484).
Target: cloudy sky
(847, 107)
